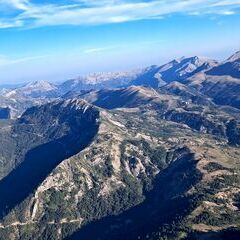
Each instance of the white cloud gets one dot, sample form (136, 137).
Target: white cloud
(17, 4)
(11, 24)
(228, 13)
(87, 12)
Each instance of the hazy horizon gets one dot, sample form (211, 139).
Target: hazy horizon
(73, 76)
(55, 41)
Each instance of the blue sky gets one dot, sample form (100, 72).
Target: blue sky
(57, 40)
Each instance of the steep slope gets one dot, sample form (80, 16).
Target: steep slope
(136, 160)
(43, 137)
(7, 149)
(185, 67)
(223, 90)
(145, 163)
(230, 67)
(186, 106)
(176, 70)
(181, 205)
(220, 83)
(125, 97)
(186, 93)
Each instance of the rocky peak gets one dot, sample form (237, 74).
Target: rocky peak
(234, 57)
(40, 85)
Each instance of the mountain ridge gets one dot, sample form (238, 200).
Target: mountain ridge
(155, 76)
(148, 158)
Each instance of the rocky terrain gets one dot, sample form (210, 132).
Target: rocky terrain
(155, 157)
(17, 103)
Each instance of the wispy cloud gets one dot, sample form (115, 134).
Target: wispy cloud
(98, 50)
(5, 60)
(27, 13)
(228, 13)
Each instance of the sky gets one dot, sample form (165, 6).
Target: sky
(58, 40)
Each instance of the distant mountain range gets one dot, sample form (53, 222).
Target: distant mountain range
(150, 154)
(218, 81)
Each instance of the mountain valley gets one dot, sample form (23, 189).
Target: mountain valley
(148, 154)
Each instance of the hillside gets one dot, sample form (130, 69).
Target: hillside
(223, 90)
(139, 163)
(230, 67)
(151, 154)
(36, 143)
